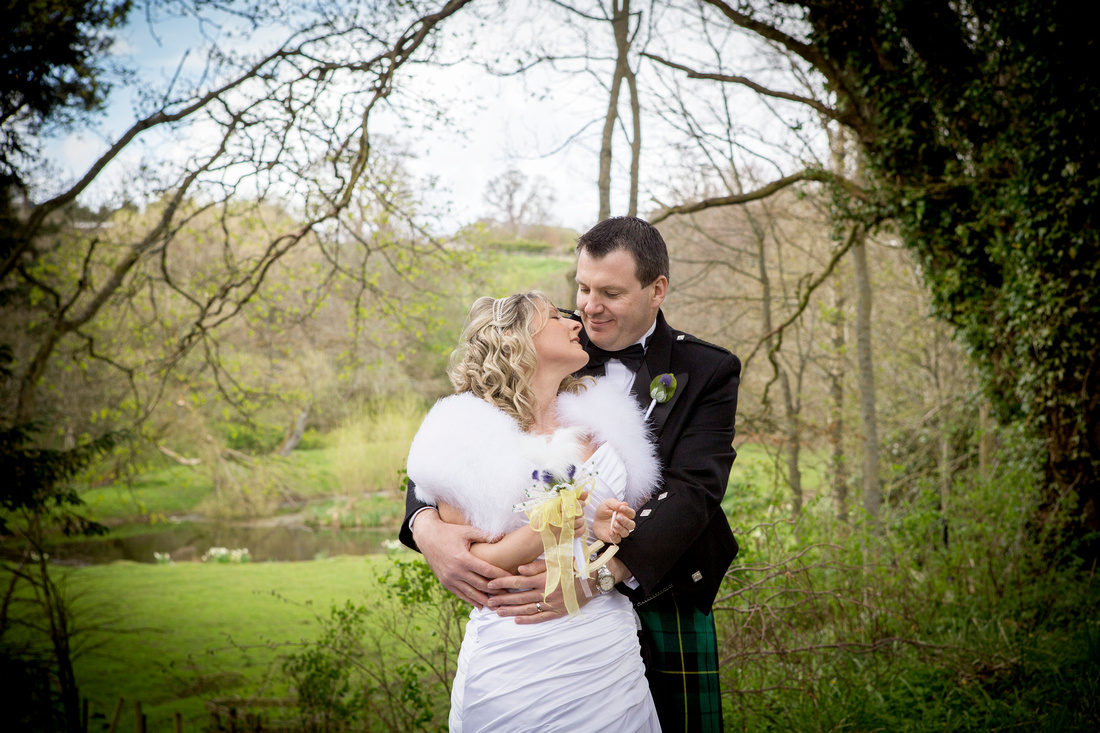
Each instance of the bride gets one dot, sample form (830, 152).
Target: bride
(516, 414)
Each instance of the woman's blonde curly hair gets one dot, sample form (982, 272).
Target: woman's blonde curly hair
(496, 360)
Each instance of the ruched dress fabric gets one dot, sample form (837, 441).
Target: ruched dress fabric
(571, 674)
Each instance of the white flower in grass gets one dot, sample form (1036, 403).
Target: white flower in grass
(224, 555)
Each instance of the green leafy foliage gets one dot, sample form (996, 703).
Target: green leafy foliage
(35, 499)
(389, 664)
(37, 478)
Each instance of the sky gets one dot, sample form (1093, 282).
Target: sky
(496, 123)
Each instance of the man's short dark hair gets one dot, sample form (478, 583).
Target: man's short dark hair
(640, 238)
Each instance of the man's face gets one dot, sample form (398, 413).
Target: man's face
(616, 309)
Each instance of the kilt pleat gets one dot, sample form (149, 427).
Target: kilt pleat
(680, 646)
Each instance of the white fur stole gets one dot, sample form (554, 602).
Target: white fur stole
(474, 457)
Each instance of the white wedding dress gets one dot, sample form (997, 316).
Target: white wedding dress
(583, 673)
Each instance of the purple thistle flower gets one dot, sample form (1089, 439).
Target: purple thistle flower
(535, 475)
(666, 379)
(571, 472)
(547, 477)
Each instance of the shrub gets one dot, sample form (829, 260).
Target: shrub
(387, 666)
(969, 620)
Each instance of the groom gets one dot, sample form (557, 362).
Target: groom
(673, 562)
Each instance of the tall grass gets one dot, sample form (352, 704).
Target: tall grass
(370, 448)
(975, 621)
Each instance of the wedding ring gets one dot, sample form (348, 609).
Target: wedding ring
(538, 606)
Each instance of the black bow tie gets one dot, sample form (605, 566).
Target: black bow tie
(631, 357)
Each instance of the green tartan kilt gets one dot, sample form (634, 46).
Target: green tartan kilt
(680, 648)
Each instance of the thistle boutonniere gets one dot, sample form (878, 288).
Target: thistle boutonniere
(661, 390)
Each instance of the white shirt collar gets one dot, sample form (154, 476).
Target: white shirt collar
(647, 334)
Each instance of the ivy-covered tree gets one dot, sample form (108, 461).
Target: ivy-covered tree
(977, 122)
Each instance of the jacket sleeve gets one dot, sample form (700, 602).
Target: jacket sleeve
(412, 506)
(696, 473)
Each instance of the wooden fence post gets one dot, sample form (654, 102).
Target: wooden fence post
(116, 716)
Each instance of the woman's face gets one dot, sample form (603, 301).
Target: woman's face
(558, 345)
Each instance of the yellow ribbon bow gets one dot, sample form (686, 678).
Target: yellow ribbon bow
(559, 512)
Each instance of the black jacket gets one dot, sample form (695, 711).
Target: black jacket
(681, 539)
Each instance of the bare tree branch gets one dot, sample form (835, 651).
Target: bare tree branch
(811, 174)
(806, 51)
(804, 301)
(824, 109)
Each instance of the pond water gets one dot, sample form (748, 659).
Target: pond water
(188, 541)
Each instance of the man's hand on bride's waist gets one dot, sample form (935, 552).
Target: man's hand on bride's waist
(446, 549)
(525, 602)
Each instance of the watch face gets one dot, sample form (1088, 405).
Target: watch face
(605, 580)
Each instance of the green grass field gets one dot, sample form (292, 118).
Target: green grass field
(171, 634)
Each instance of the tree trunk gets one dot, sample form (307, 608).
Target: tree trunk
(945, 476)
(985, 442)
(945, 467)
(57, 620)
(943, 421)
(794, 445)
(792, 429)
(620, 24)
(836, 406)
(838, 144)
(295, 437)
(872, 490)
(635, 142)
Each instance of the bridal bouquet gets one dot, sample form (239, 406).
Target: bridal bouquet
(554, 503)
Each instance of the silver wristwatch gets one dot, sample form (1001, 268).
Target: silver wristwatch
(605, 579)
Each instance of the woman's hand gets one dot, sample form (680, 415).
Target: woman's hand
(614, 520)
(580, 523)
